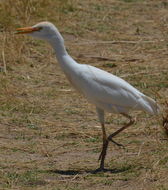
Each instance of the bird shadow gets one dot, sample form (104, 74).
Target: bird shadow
(77, 172)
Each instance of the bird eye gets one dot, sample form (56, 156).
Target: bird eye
(39, 28)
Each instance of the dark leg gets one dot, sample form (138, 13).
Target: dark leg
(106, 141)
(102, 156)
(118, 144)
(132, 121)
(104, 148)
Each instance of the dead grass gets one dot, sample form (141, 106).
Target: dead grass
(50, 136)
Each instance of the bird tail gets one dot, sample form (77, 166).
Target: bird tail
(149, 105)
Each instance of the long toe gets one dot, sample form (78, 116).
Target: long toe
(118, 144)
(100, 169)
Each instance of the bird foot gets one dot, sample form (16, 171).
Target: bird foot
(103, 152)
(118, 144)
(100, 169)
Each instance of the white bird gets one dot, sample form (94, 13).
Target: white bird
(106, 91)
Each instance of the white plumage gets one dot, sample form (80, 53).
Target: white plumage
(110, 92)
(106, 91)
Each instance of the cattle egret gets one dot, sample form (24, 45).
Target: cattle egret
(106, 91)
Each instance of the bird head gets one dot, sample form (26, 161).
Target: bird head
(42, 30)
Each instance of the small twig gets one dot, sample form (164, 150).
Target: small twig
(3, 54)
(4, 61)
(97, 57)
(140, 73)
(65, 90)
(117, 42)
(140, 149)
(75, 177)
(108, 58)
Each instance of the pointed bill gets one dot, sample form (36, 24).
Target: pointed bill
(27, 30)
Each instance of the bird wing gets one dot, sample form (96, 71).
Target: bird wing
(101, 86)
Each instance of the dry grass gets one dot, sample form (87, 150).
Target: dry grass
(50, 137)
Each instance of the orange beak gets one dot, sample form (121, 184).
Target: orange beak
(27, 30)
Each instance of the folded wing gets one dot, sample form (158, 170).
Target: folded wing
(112, 93)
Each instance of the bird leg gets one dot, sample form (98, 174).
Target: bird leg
(104, 149)
(132, 121)
(118, 144)
(102, 156)
(109, 138)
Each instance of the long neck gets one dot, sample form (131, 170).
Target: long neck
(57, 42)
(65, 60)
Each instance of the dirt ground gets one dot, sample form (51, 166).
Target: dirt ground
(50, 136)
